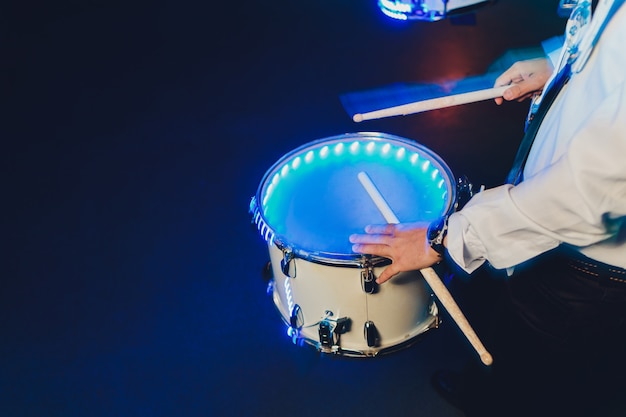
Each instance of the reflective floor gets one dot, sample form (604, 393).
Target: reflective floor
(136, 134)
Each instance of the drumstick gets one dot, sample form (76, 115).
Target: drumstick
(377, 198)
(432, 104)
(442, 293)
(431, 277)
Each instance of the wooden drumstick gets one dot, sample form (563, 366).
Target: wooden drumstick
(431, 277)
(442, 293)
(432, 104)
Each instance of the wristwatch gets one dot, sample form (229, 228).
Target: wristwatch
(437, 232)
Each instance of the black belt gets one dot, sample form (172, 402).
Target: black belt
(595, 270)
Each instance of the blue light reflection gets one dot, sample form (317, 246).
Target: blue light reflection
(320, 202)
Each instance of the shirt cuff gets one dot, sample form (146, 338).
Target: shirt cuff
(463, 246)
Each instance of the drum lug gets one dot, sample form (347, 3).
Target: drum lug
(285, 264)
(370, 333)
(296, 320)
(368, 280)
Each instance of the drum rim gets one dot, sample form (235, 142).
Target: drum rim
(330, 258)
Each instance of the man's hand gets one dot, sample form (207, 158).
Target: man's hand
(405, 244)
(527, 78)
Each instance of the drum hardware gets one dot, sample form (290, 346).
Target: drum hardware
(368, 280)
(326, 334)
(294, 334)
(343, 325)
(296, 320)
(370, 333)
(285, 264)
(330, 331)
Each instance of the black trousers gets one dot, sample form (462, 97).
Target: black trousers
(558, 339)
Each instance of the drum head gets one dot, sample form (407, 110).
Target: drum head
(311, 199)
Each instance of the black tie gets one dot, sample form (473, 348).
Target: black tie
(515, 175)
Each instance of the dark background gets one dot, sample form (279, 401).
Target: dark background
(135, 134)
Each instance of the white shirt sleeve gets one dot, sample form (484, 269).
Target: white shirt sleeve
(574, 188)
(580, 199)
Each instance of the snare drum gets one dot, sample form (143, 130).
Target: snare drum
(306, 207)
(428, 10)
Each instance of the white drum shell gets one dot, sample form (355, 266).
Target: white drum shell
(401, 309)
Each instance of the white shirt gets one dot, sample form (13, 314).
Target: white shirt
(574, 188)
